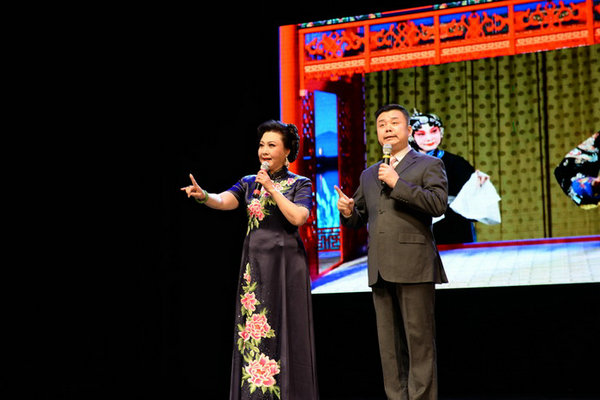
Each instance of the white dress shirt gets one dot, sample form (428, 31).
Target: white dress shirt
(396, 158)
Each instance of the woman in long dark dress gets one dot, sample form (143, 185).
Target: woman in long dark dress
(274, 356)
(426, 137)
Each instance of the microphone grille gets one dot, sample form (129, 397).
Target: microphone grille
(387, 149)
(265, 165)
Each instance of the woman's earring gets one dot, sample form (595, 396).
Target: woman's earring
(287, 162)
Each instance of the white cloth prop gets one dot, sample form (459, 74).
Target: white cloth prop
(478, 202)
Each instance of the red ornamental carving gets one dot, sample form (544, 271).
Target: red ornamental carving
(334, 44)
(401, 35)
(453, 34)
(473, 26)
(550, 16)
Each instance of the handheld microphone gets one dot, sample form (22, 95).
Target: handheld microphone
(387, 151)
(257, 186)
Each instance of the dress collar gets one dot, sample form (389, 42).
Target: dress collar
(279, 174)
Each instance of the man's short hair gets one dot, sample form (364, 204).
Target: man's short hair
(390, 107)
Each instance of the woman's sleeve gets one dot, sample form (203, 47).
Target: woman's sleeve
(240, 188)
(303, 193)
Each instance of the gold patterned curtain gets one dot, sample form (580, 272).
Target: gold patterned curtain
(512, 117)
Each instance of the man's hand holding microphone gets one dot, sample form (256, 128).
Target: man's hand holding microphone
(386, 173)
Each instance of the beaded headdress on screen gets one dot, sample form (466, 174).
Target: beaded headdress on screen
(418, 119)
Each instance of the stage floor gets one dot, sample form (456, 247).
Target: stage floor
(534, 262)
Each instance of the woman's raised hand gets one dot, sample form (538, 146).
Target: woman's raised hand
(194, 190)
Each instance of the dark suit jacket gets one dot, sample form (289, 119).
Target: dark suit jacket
(401, 244)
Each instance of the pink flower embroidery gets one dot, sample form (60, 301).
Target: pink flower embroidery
(259, 370)
(262, 371)
(257, 326)
(249, 301)
(258, 209)
(244, 335)
(255, 210)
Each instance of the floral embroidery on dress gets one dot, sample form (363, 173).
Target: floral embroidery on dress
(257, 209)
(259, 370)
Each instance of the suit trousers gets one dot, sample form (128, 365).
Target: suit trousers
(405, 315)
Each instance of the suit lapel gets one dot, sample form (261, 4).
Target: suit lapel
(409, 159)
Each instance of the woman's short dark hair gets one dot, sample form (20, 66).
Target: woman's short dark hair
(289, 135)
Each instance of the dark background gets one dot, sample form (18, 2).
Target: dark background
(131, 291)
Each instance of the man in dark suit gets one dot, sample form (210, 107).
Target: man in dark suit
(398, 202)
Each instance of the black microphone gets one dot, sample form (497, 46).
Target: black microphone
(387, 152)
(257, 186)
